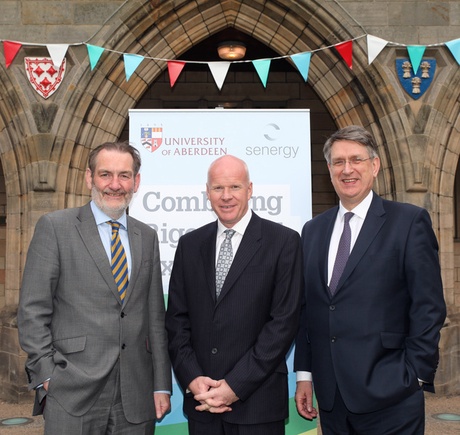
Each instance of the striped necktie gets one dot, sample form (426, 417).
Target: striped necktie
(119, 262)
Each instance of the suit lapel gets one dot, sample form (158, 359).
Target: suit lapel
(323, 254)
(208, 257)
(135, 246)
(89, 233)
(249, 245)
(375, 218)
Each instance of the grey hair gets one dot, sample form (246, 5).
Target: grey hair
(353, 133)
(122, 147)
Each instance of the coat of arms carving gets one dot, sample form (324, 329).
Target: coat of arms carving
(415, 84)
(44, 77)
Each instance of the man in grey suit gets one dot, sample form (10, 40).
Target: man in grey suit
(97, 348)
(228, 341)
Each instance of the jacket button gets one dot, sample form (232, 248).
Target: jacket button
(332, 307)
(333, 339)
(122, 314)
(214, 350)
(123, 346)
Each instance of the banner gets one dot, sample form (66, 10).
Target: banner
(177, 147)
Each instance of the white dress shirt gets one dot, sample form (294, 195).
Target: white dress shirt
(239, 227)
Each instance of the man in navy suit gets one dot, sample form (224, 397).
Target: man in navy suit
(228, 348)
(368, 343)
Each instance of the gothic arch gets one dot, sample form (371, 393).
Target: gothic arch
(168, 30)
(50, 141)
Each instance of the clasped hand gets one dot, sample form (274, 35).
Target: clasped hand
(214, 396)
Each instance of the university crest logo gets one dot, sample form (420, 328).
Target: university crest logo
(44, 77)
(151, 138)
(415, 84)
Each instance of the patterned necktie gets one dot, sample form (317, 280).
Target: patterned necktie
(119, 262)
(343, 252)
(224, 261)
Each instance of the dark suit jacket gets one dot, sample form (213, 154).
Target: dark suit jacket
(71, 321)
(245, 336)
(380, 331)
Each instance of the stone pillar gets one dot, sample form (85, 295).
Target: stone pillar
(13, 379)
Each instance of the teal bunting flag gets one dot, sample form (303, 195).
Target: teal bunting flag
(302, 62)
(454, 47)
(132, 61)
(415, 55)
(94, 53)
(262, 67)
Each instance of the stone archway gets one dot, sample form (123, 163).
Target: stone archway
(44, 145)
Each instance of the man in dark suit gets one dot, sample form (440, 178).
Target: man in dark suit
(228, 344)
(97, 348)
(368, 336)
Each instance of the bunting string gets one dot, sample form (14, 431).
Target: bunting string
(219, 69)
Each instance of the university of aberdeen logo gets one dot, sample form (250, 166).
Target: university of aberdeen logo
(151, 138)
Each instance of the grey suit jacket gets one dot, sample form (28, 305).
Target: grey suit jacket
(73, 325)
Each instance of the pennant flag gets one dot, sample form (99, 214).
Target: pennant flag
(174, 69)
(132, 61)
(454, 47)
(262, 67)
(415, 55)
(57, 53)
(302, 62)
(374, 47)
(345, 50)
(94, 53)
(219, 71)
(10, 50)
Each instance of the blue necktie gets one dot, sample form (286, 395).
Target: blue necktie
(224, 260)
(119, 262)
(343, 252)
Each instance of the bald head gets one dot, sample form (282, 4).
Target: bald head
(229, 189)
(228, 163)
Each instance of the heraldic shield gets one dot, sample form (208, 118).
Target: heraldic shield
(151, 138)
(415, 84)
(44, 77)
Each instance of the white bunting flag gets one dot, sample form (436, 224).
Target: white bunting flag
(219, 71)
(374, 47)
(57, 53)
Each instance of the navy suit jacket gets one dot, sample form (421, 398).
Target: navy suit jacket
(245, 335)
(379, 333)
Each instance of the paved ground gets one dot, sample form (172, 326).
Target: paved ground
(434, 405)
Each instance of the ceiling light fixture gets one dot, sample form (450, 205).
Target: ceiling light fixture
(231, 50)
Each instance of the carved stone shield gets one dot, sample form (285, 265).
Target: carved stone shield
(415, 84)
(44, 77)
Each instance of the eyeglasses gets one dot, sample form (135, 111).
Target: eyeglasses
(354, 161)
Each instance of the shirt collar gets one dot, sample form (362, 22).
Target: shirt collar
(239, 227)
(102, 218)
(361, 209)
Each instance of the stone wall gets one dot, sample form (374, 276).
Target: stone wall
(44, 144)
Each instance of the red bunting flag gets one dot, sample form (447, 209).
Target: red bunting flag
(345, 50)
(174, 69)
(11, 50)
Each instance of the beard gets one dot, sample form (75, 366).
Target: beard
(114, 211)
